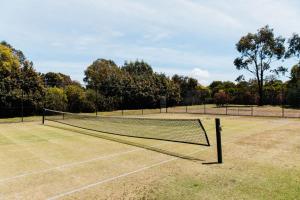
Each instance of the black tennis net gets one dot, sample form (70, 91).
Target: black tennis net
(189, 131)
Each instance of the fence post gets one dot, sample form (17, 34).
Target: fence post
(22, 106)
(204, 108)
(252, 110)
(43, 120)
(219, 142)
(282, 102)
(226, 109)
(96, 107)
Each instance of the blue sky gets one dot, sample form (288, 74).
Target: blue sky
(189, 37)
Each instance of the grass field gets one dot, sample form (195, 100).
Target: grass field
(53, 161)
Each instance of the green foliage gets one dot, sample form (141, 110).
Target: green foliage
(18, 53)
(294, 47)
(293, 87)
(295, 73)
(102, 73)
(9, 69)
(258, 51)
(76, 98)
(56, 99)
(132, 86)
(188, 89)
(135, 85)
(52, 79)
(139, 68)
(10, 92)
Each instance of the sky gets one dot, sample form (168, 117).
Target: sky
(189, 37)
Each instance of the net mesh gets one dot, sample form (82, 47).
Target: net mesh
(177, 130)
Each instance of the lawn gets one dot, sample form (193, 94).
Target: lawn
(54, 161)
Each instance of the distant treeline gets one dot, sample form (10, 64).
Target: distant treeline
(132, 86)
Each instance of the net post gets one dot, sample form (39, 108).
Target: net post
(226, 109)
(43, 120)
(252, 110)
(218, 138)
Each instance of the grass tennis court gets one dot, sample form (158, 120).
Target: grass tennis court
(56, 161)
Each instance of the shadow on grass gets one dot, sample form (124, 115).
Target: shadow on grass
(211, 163)
(151, 148)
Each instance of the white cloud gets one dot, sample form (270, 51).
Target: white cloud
(173, 36)
(201, 73)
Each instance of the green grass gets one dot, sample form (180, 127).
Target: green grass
(19, 119)
(261, 161)
(258, 182)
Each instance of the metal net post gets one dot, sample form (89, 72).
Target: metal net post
(219, 140)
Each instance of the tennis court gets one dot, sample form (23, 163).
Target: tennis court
(58, 161)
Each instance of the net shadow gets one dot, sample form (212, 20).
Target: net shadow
(123, 141)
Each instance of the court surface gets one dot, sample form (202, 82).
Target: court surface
(54, 161)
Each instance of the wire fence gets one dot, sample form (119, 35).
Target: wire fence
(18, 105)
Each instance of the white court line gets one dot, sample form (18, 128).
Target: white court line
(116, 177)
(120, 176)
(73, 164)
(76, 163)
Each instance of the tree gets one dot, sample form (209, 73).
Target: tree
(244, 93)
(188, 88)
(105, 77)
(53, 79)
(102, 72)
(294, 47)
(258, 51)
(221, 98)
(56, 99)
(9, 87)
(138, 68)
(215, 86)
(293, 87)
(18, 53)
(9, 69)
(76, 98)
(32, 89)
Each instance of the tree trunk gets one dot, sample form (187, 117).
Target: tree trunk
(261, 93)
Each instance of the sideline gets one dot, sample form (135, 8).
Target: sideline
(117, 177)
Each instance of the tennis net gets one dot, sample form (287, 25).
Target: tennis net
(189, 131)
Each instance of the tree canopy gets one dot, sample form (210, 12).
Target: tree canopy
(135, 85)
(258, 52)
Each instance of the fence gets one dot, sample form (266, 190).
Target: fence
(17, 105)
